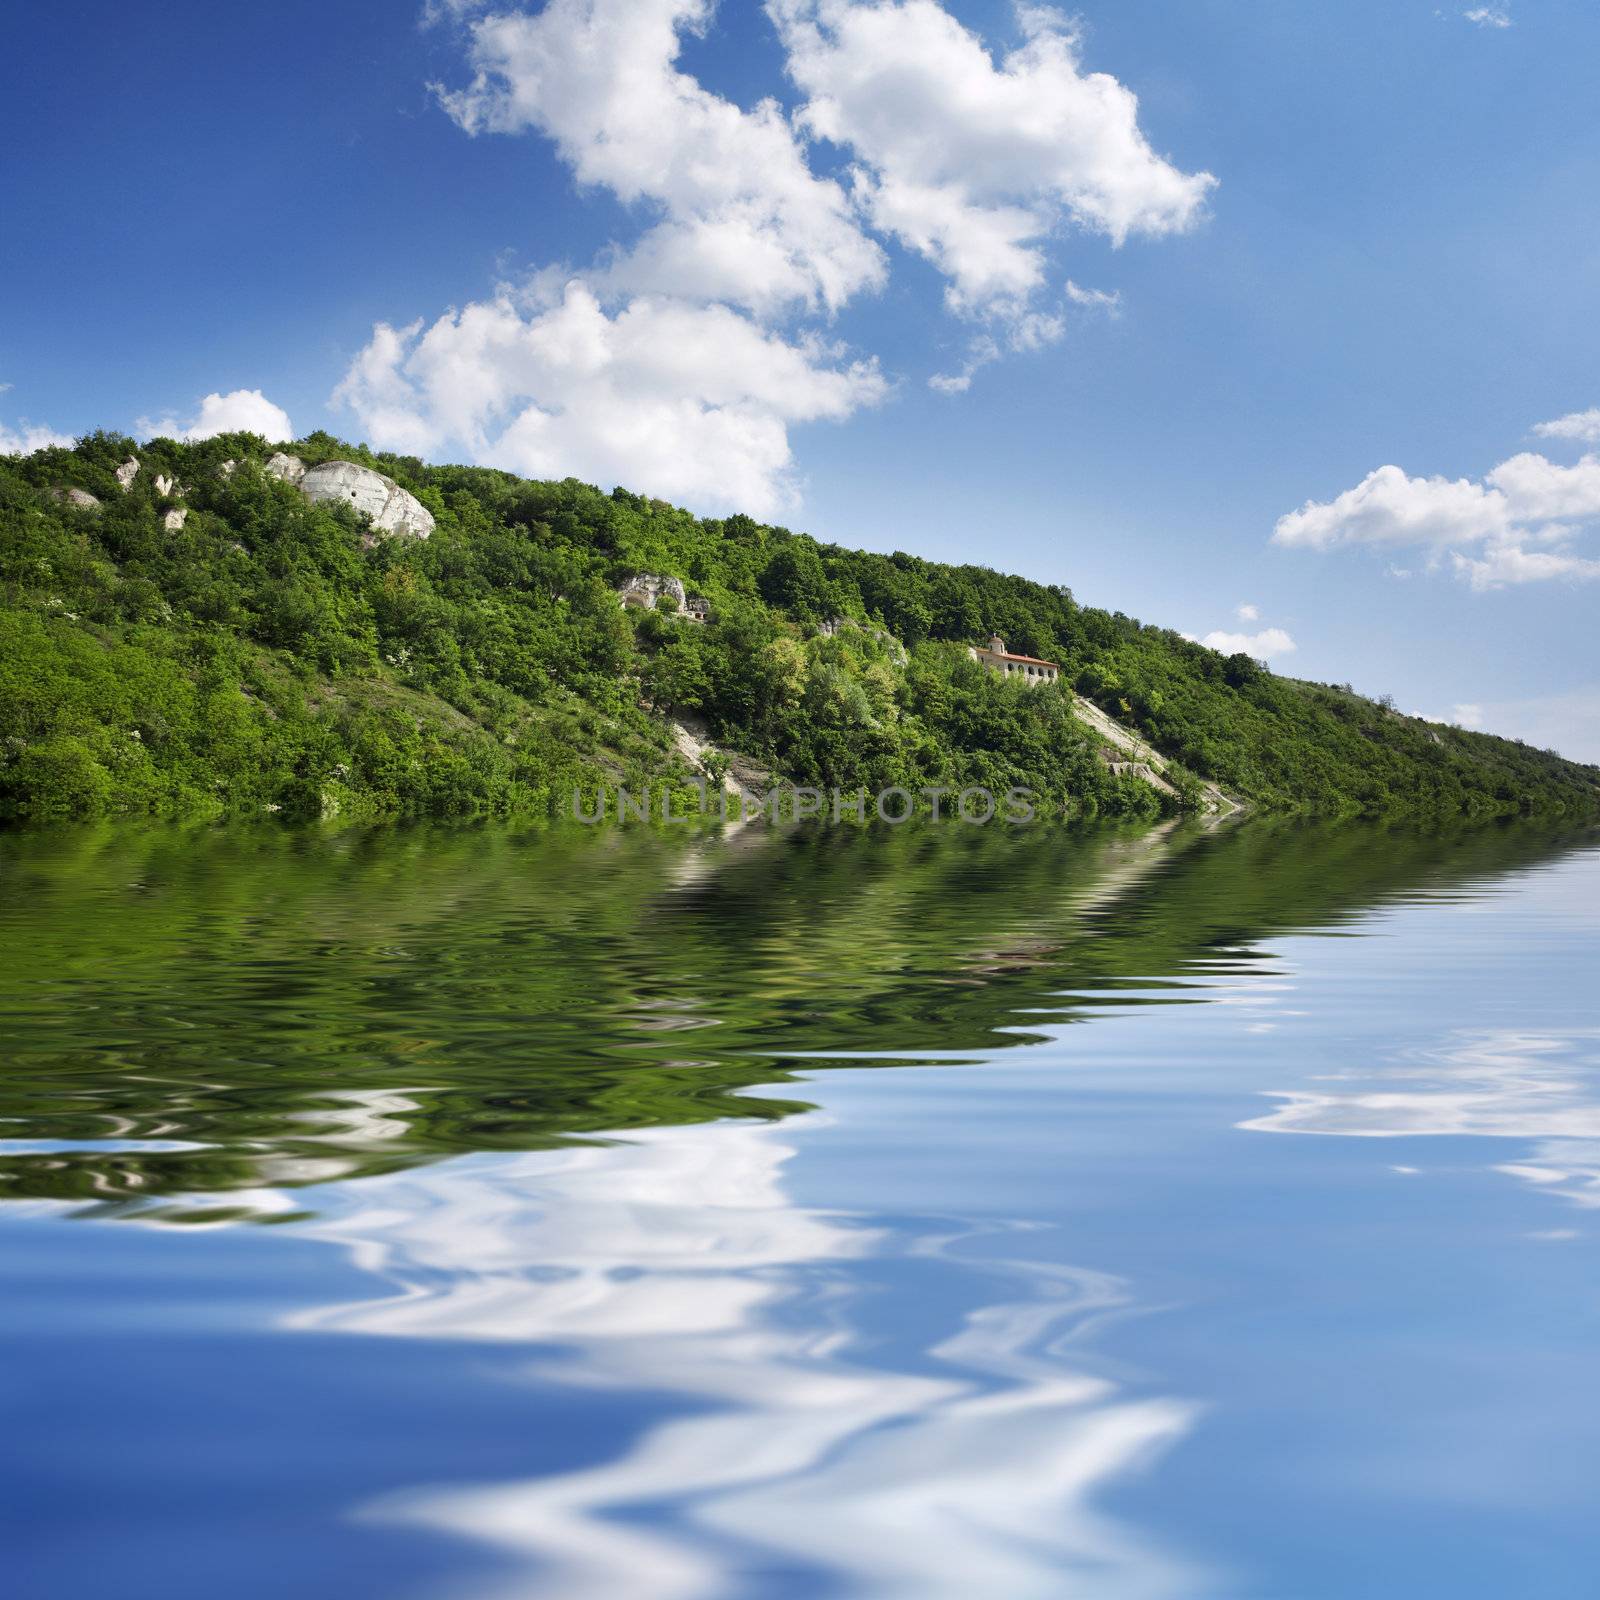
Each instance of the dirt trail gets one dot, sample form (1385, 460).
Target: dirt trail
(1143, 760)
(745, 780)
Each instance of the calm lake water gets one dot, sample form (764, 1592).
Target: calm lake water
(930, 1213)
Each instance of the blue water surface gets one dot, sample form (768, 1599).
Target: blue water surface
(1199, 1213)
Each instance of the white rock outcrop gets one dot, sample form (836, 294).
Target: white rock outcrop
(391, 508)
(165, 485)
(289, 468)
(127, 472)
(174, 518)
(645, 589)
(81, 498)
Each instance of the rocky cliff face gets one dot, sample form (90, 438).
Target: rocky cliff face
(390, 508)
(645, 589)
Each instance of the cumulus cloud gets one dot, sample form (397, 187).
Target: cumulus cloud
(1510, 563)
(1584, 426)
(1489, 16)
(1388, 507)
(742, 218)
(27, 437)
(1266, 644)
(662, 365)
(972, 161)
(1537, 490)
(241, 411)
(744, 241)
(692, 401)
(1247, 613)
(1515, 526)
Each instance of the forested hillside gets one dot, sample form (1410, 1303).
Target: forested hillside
(260, 652)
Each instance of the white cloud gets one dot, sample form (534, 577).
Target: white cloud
(682, 400)
(970, 161)
(1583, 426)
(1522, 518)
(981, 352)
(973, 162)
(1266, 644)
(1467, 715)
(1028, 331)
(660, 366)
(1106, 300)
(1263, 644)
(1388, 507)
(1537, 490)
(1504, 564)
(742, 218)
(1489, 16)
(27, 437)
(241, 411)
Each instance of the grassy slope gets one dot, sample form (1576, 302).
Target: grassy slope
(262, 656)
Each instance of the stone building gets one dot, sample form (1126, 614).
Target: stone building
(998, 659)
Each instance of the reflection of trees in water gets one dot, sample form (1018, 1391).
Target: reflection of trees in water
(309, 1005)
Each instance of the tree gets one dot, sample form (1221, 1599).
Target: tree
(794, 581)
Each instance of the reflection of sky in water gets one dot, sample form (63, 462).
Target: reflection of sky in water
(674, 1264)
(1505, 1083)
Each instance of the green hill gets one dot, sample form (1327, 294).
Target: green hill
(262, 652)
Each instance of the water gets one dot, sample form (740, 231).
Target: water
(1198, 1213)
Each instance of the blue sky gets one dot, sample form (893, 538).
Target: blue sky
(1340, 257)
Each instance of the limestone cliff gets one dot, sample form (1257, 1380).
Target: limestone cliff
(390, 508)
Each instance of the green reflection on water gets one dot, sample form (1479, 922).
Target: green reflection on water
(274, 1009)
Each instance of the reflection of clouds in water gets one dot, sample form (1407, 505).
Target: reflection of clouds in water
(364, 1116)
(1498, 1083)
(675, 1264)
(1569, 1168)
(583, 1243)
